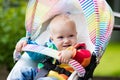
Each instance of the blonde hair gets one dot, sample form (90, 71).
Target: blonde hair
(61, 18)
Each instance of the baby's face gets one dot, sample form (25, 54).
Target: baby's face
(64, 35)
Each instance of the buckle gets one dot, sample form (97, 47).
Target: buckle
(62, 71)
(57, 69)
(49, 66)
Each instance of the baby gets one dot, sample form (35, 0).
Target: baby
(63, 35)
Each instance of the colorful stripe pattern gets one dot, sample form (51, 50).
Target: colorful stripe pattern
(77, 67)
(100, 23)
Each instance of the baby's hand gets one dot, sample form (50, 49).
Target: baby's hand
(65, 56)
(20, 45)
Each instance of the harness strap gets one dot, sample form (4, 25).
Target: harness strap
(44, 71)
(50, 66)
(62, 71)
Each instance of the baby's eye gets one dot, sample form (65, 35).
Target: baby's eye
(71, 35)
(60, 37)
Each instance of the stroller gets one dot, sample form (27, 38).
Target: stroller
(94, 22)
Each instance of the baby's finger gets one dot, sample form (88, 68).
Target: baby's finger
(24, 44)
(66, 61)
(62, 60)
(18, 48)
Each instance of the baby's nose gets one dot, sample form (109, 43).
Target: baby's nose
(66, 40)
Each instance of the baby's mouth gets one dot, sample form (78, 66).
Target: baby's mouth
(66, 45)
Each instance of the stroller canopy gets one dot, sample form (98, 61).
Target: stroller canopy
(93, 18)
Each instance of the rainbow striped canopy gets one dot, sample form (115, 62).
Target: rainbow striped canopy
(96, 15)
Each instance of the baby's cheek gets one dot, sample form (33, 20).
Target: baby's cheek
(59, 46)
